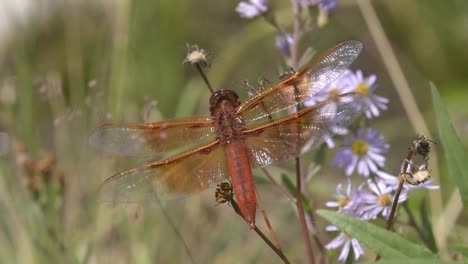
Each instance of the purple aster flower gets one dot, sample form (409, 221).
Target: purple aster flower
(328, 5)
(377, 198)
(283, 42)
(357, 83)
(307, 3)
(347, 202)
(252, 8)
(347, 242)
(343, 200)
(365, 151)
(388, 179)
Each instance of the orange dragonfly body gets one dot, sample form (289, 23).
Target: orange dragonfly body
(270, 126)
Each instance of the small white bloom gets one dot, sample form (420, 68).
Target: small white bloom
(252, 8)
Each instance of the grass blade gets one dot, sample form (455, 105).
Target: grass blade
(455, 153)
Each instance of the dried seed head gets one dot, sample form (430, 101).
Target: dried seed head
(45, 163)
(38, 173)
(196, 55)
(418, 177)
(421, 146)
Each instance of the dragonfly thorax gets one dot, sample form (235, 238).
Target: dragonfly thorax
(223, 105)
(228, 126)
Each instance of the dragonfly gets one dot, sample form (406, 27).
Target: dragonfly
(190, 154)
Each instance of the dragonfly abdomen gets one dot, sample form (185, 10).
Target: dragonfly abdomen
(237, 155)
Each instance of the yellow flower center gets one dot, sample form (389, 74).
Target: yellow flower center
(362, 88)
(360, 147)
(384, 200)
(343, 201)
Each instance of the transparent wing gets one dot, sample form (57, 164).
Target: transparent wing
(145, 139)
(295, 134)
(282, 98)
(173, 178)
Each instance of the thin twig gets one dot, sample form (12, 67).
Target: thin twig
(267, 221)
(297, 32)
(296, 35)
(401, 182)
(300, 211)
(205, 79)
(280, 253)
(390, 219)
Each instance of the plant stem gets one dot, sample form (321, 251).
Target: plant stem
(300, 210)
(401, 182)
(236, 208)
(267, 221)
(297, 32)
(296, 35)
(203, 75)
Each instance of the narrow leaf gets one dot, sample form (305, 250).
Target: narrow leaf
(454, 151)
(415, 261)
(427, 226)
(381, 241)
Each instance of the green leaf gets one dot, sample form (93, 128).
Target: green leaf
(292, 189)
(385, 243)
(454, 151)
(415, 261)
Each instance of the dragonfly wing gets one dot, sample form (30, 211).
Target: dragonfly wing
(282, 98)
(293, 135)
(172, 178)
(146, 139)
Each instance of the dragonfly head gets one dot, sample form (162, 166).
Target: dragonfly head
(223, 96)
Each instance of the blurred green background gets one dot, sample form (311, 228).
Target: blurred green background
(68, 66)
